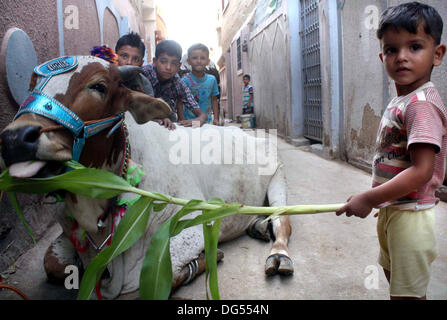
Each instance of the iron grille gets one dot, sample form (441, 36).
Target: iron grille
(310, 42)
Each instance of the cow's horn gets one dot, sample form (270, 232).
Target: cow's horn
(129, 72)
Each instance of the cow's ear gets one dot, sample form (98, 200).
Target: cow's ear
(145, 108)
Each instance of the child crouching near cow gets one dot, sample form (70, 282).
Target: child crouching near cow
(409, 164)
(167, 85)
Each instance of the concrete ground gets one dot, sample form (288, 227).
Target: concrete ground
(334, 257)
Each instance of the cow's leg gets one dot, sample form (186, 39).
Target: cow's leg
(61, 251)
(193, 269)
(60, 254)
(259, 229)
(279, 260)
(187, 261)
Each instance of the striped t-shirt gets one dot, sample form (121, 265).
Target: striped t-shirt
(419, 117)
(246, 90)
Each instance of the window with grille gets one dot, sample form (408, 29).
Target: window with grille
(310, 41)
(239, 54)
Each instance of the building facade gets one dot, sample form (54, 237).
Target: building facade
(315, 70)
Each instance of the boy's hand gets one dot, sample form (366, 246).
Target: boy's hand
(195, 123)
(167, 123)
(358, 206)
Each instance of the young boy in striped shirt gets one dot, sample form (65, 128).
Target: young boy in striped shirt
(409, 163)
(247, 96)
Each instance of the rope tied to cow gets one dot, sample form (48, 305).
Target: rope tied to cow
(12, 288)
(60, 127)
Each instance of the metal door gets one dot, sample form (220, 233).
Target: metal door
(310, 44)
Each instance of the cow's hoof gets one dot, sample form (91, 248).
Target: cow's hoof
(60, 254)
(278, 263)
(259, 229)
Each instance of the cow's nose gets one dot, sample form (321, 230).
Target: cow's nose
(20, 144)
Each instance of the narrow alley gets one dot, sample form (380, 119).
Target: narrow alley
(333, 256)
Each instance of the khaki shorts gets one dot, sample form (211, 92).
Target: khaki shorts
(407, 249)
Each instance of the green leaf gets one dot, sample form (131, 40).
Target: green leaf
(211, 238)
(159, 206)
(88, 182)
(275, 214)
(216, 201)
(18, 209)
(162, 196)
(212, 215)
(74, 165)
(156, 272)
(130, 229)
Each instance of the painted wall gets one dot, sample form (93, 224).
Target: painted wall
(39, 21)
(267, 61)
(226, 101)
(111, 33)
(77, 41)
(223, 92)
(270, 65)
(233, 18)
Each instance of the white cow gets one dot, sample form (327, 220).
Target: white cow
(91, 88)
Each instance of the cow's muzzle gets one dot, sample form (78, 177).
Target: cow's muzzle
(19, 151)
(20, 144)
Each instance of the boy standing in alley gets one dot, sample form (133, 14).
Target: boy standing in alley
(409, 163)
(203, 86)
(247, 96)
(167, 85)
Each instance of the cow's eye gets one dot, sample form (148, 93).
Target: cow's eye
(99, 87)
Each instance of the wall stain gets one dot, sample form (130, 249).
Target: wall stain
(326, 140)
(366, 139)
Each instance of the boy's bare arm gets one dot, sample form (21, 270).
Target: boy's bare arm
(180, 111)
(201, 118)
(409, 180)
(215, 104)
